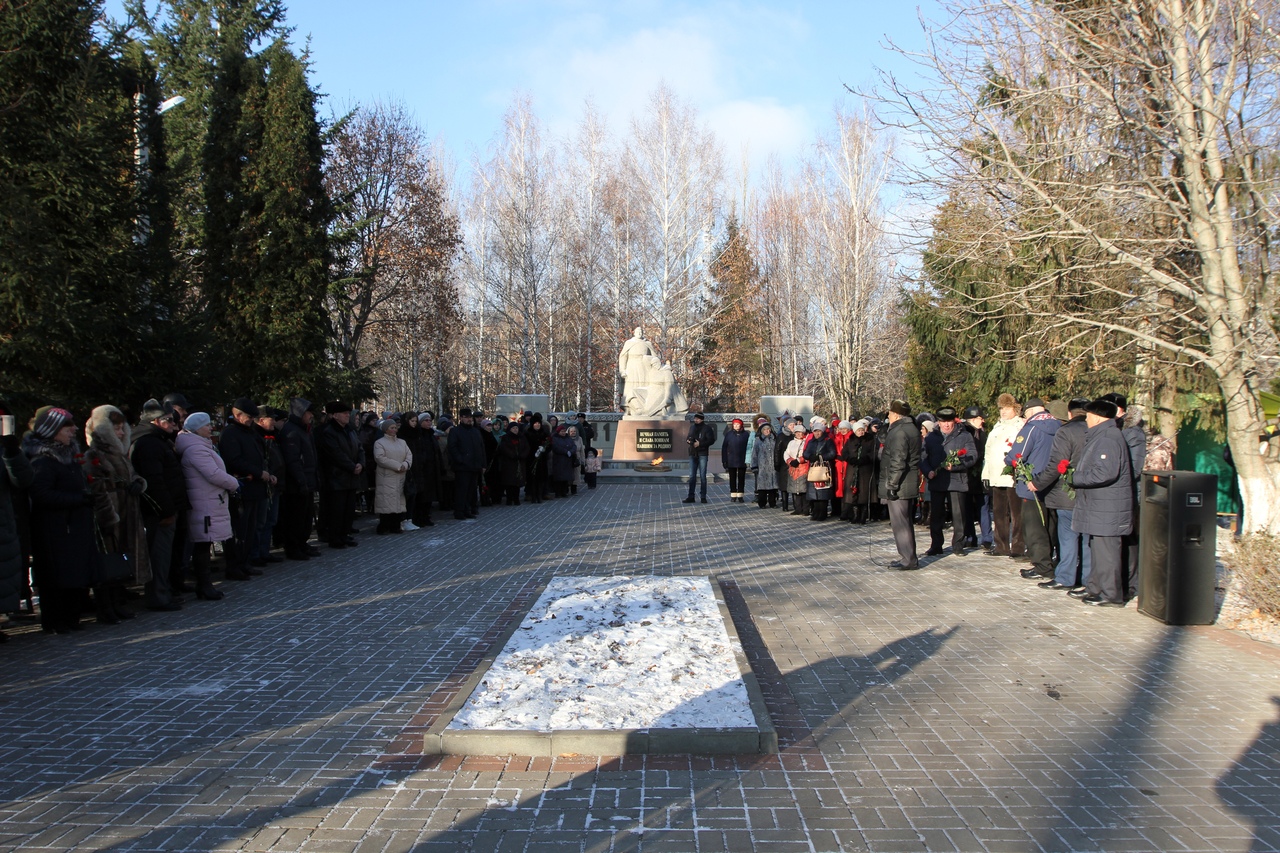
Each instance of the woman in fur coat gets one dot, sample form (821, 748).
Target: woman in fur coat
(763, 468)
(209, 489)
(393, 459)
(117, 505)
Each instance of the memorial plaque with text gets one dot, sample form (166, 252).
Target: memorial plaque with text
(653, 440)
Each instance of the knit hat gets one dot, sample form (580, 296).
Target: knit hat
(152, 411)
(900, 407)
(246, 405)
(1102, 408)
(844, 425)
(387, 423)
(424, 416)
(195, 421)
(817, 422)
(50, 421)
(761, 421)
(1034, 403)
(862, 424)
(737, 421)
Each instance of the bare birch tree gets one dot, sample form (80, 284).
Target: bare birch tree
(520, 242)
(845, 184)
(1138, 138)
(675, 169)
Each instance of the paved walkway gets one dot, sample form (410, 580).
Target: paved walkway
(954, 708)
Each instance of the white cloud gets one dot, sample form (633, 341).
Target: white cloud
(762, 127)
(705, 58)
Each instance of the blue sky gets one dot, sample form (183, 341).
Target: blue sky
(765, 76)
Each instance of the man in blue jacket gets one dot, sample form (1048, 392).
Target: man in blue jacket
(1104, 503)
(1032, 447)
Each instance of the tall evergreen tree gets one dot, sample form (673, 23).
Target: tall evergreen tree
(67, 284)
(280, 305)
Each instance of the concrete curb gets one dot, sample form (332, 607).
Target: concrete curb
(762, 739)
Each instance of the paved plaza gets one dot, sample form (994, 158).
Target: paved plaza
(954, 708)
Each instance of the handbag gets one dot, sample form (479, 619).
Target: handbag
(116, 567)
(819, 472)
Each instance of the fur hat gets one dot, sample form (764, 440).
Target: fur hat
(1007, 401)
(152, 411)
(1078, 404)
(946, 413)
(1102, 407)
(336, 407)
(900, 407)
(195, 421)
(50, 421)
(464, 412)
(1119, 399)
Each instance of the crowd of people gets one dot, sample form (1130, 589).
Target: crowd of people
(1053, 486)
(146, 506)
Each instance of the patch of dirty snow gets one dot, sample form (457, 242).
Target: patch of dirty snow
(614, 653)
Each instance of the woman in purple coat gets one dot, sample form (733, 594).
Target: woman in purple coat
(208, 488)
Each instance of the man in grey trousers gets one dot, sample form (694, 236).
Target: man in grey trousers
(898, 484)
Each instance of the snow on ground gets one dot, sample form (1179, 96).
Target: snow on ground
(614, 653)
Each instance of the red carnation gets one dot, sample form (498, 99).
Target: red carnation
(1017, 456)
(1063, 465)
(90, 478)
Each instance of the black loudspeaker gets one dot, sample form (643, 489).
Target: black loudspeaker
(1178, 536)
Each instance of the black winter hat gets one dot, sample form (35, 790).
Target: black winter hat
(900, 407)
(1103, 408)
(246, 405)
(972, 412)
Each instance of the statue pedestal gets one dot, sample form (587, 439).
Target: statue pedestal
(638, 440)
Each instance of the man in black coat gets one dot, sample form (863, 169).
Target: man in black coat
(898, 472)
(244, 452)
(301, 480)
(701, 436)
(585, 431)
(1104, 503)
(947, 456)
(979, 495)
(151, 452)
(465, 447)
(341, 464)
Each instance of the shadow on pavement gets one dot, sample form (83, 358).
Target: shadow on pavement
(1251, 787)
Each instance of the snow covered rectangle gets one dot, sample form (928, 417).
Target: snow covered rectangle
(615, 654)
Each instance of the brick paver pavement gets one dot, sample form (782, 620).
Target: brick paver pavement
(954, 708)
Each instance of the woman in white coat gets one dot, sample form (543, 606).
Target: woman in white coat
(393, 459)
